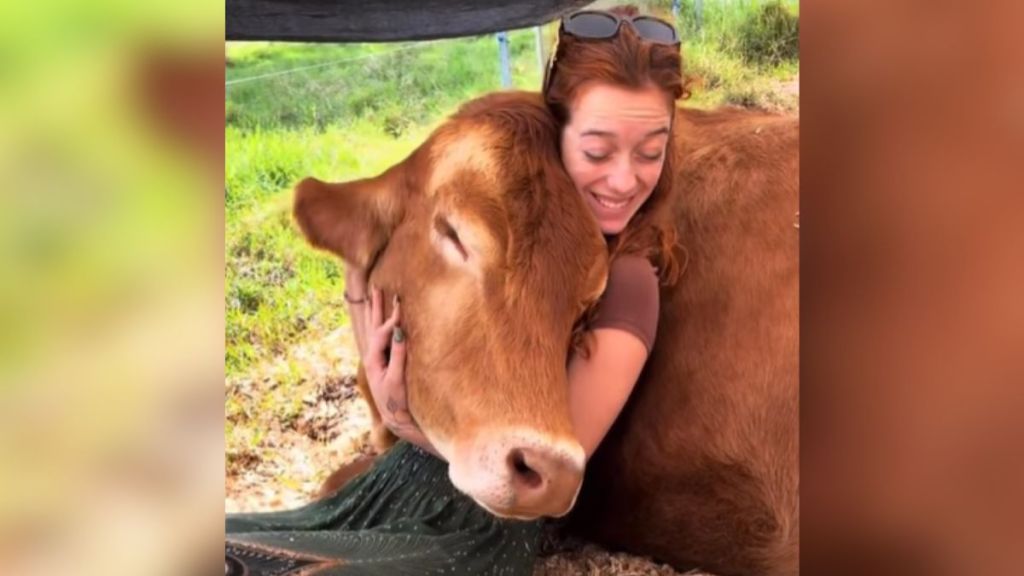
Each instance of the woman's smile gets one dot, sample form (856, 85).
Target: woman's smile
(613, 205)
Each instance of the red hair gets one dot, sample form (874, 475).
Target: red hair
(629, 61)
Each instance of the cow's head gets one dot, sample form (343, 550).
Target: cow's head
(495, 257)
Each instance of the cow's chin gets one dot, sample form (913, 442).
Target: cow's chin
(518, 473)
(516, 514)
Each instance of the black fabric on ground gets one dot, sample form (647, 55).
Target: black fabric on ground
(403, 516)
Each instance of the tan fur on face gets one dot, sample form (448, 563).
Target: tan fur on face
(470, 148)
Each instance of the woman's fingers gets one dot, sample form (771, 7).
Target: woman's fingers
(395, 377)
(375, 359)
(384, 327)
(384, 336)
(376, 307)
(392, 320)
(367, 319)
(370, 311)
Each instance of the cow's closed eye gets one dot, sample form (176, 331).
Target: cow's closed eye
(449, 234)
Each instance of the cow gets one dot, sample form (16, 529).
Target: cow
(482, 236)
(497, 262)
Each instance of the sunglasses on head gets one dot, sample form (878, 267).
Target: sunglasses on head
(600, 25)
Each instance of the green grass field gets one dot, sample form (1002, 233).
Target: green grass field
(352, 111)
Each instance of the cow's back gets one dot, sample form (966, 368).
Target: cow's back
(701, 469)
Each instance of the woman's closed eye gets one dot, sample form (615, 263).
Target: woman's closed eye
(597, 155)
(651, 155)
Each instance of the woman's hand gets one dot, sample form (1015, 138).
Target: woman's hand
(385, 373)
(357, 295)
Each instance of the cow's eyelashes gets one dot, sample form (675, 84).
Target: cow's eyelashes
(448, 232)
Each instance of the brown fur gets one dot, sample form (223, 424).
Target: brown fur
(342, 475)
(700, 469)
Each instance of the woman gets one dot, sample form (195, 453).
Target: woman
(612, 84)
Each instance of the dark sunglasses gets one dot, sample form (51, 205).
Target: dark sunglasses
(600, 25)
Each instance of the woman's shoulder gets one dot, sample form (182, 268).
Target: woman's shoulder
(632, 267)
(630, 300)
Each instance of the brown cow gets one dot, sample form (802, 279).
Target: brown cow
(700, 470)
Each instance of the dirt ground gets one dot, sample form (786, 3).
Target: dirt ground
(792, 89)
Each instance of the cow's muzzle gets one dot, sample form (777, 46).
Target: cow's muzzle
(520, 473)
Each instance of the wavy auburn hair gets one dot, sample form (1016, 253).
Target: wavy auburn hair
(629, 61)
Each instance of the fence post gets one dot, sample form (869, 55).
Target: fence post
(538, 35)
(675, 11)
(506, 74)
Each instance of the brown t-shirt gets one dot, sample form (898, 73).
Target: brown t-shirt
(630, 300)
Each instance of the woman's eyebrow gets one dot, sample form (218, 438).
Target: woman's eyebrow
(606, 134)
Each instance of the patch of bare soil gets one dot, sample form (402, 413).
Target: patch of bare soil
(782, 96)
(766, 94)
(791, 88)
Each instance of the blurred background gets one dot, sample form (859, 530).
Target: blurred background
(114, 236)
(111, 302)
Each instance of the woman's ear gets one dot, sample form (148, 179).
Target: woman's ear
(351, 219)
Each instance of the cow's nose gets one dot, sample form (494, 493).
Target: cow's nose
(519, 473)
(543, 479)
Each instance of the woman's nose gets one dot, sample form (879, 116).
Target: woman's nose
(622, 179)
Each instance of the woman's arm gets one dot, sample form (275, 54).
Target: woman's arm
(600, 384)
(621, 336)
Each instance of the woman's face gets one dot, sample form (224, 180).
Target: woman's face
(614, 148)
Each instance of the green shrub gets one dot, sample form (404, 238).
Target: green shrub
(770, 35)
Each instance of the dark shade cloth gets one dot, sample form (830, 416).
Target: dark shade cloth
(384, 20)
(402, 517)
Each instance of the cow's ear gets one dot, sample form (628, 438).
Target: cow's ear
(352, 219)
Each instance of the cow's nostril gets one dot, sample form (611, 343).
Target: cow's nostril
(522, 471)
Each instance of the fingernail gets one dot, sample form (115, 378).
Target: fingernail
(397, 300)
(399, 334)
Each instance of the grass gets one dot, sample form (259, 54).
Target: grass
(364, 111)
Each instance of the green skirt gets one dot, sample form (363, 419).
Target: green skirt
(403, 516)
